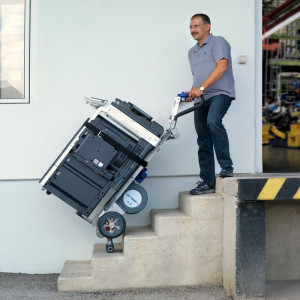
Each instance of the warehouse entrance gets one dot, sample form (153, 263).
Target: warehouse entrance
(281, 86)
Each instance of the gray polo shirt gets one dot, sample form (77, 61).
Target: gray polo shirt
(204, 59)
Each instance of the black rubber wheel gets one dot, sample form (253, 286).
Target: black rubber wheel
(111, 224)
(110, 248)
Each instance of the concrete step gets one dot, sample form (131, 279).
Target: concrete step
(169, 222)
(98, 252)
(181, 247)
(75, 275)
(139, 241)
(203, 207)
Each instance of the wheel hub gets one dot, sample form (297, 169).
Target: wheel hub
(111, 225)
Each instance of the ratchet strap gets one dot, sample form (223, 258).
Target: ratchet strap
(115, 144)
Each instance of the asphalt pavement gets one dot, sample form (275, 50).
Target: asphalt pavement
(44, 287)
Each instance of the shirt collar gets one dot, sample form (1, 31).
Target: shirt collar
(205, 42)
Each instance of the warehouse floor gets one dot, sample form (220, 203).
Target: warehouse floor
(279, 160)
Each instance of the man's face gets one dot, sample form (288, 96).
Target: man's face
(198, 29)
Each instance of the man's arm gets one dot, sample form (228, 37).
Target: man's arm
(215, 75)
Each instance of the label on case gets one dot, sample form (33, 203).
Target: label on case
(132, 198)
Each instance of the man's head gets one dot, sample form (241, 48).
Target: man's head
(200, 27)
(270, 99)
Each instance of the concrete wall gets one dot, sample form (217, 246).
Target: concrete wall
(134, 50)
(283, 240)
(229, 237)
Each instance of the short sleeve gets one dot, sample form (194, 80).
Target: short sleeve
(220, 49)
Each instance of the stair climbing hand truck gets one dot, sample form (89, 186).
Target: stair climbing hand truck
(100, 170)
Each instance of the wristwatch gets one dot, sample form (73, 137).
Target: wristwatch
(202, 88)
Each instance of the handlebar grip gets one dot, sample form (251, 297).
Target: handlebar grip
(184, 112)
(183, 96)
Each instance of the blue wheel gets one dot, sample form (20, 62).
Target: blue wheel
(111, 224)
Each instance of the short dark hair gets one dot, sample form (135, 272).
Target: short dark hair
(205, 18)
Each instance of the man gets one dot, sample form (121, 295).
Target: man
(211, 67)
(269, 106)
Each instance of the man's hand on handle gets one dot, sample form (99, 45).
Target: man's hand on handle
(193, 93)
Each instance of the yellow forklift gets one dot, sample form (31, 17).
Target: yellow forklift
(281, 123)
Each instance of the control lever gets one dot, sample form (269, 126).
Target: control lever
(95, 102)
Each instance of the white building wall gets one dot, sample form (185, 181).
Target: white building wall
(133, 50)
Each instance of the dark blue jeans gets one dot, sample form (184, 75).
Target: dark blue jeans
(212, 135)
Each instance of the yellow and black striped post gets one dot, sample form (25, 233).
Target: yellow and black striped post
(265, 189)
(250, 229)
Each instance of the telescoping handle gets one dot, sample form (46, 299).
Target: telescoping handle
(184, 112)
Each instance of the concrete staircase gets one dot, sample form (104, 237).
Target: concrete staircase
(181, 247)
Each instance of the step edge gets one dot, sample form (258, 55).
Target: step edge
(164, 213)
(209, 196)
(65, 275)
